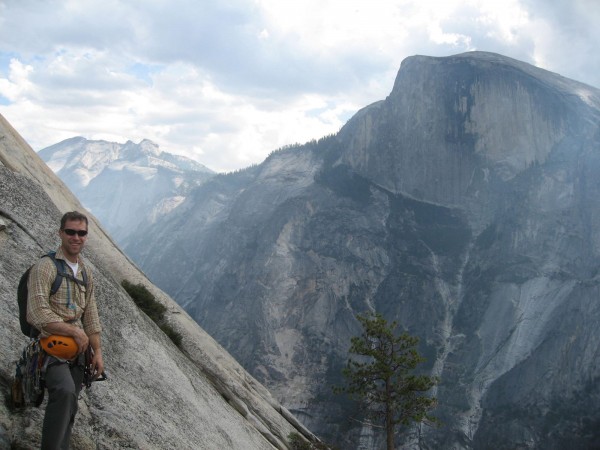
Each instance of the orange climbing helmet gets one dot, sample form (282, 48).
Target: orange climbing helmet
(63, 347)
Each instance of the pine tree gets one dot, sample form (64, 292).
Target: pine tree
(382, 376)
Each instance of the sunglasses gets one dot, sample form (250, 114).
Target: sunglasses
(80, 233)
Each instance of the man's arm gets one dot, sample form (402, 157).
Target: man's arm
(92, 327)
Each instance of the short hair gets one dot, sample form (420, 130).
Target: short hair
(72, 215)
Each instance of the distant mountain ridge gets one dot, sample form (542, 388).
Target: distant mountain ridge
(124, 185)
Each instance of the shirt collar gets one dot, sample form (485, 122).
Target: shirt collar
(60, 255)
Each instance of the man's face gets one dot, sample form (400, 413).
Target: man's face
(72, 242)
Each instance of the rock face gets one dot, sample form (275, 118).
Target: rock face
(124, 185)
(157, 396)
(465, 206)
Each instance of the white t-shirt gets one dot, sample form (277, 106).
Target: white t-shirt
(74, 266)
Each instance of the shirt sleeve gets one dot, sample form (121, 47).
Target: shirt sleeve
(91, 319)
(41, 277)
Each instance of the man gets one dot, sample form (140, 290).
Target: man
(70, 312)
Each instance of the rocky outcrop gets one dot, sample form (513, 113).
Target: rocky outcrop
(158, 396)
(465, 206)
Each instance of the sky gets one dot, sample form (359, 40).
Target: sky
(226, 82)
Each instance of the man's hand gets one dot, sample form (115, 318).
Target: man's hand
(81, 339)
(97, 360)
(97, 364)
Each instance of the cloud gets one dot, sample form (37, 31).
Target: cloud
(565, 36)
(228, 82)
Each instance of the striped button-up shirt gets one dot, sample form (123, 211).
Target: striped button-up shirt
(69, 303)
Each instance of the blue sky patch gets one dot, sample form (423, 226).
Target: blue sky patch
(144, 71)
(5, 58)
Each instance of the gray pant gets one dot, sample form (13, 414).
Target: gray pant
(63, 381)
